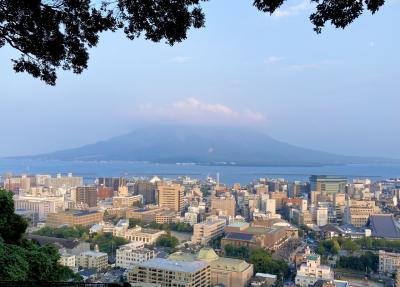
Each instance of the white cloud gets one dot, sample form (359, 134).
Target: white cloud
(273, 59)
(302, 67)
(180, 59)
(293, 10)
(192, 110)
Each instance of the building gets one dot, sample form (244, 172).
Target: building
(131, 254)
(67, 260)
(146, 189)
(327, 184)
(273, 238)
(60, 181)
(171, 273)
(223, 206)
(85, 195)
(357, 212)
(145, 235)
(384, 226)
(205, 231)
(74, 217)
(322, 215)
(112, 182)
(311, 271)
(165, 216)
(389, 262)
(170, 196)
(224, 271)
(73, 247)
(126, 201)
(146, 215)
(40, 205)
(104, 193)
(92, 259)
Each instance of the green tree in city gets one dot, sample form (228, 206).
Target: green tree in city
(22, 259)
(167, 240)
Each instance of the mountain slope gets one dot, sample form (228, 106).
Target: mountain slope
(202, 145)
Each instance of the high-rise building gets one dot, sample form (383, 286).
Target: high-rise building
(86, 195)
(327, 184)
(171, 196)
(146, 189)
(112, 182)
(224, 205)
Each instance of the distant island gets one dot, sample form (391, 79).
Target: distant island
(204, 146)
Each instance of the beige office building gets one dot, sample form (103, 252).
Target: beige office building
(205, 231)
(170, 196)
(172, 273)
(145, 235)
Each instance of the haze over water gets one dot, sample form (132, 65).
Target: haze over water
(228, 174)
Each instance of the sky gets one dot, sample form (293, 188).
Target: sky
(338, 91)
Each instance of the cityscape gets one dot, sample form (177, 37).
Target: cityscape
(326, 231)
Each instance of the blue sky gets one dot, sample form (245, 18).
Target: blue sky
(338, 91)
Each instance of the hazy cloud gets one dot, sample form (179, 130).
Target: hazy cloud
(180, 59)
(273, 59)
(193, 110)
(292, 10)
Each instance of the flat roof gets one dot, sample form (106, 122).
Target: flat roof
(172, 265)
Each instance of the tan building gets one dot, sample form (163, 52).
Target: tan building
(389, 262)
(40, 205)
(357, 212)
(145, 235)
(85, 195)
(73, 218)
(165, 216)
(205, 231)
(125, 201)
(223, 206)
(146, 215)
(170, 196)
(172, 273)
(226, 271)
(92, 259)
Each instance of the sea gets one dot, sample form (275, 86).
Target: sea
(227, 174)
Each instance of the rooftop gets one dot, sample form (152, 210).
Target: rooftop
(172, 265)
(383, 225)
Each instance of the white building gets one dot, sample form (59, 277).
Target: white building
(129, 255)
(92, 259)
(389, 262)
(312, 271)
(205, 231)
(322, 216)
(191, 218)
(41, 205)
(68, 260)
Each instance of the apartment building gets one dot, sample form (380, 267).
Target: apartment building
(131, 254)
(92, 259)
(171, 273)
(205, 231)
(126, 201)
(357, 212)
(85, 195)
(68, 260)
(74, 217)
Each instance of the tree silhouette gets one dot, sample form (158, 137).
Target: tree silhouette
(56, 34)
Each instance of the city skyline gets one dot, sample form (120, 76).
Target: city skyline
(255, 72)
